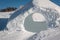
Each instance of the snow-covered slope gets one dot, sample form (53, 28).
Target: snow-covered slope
(5, 14)
(46, 4)
(17, 31)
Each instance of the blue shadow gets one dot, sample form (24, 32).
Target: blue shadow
(56, 2)
(3, 23)
(21, 11)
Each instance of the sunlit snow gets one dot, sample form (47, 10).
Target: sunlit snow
(43, 10)
(37, 17)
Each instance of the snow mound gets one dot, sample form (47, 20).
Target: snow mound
(37, 17)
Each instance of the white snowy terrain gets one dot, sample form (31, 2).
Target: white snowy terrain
(5, 14)
(38, 17)
(42, 11)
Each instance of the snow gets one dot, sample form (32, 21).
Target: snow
(44, 35)
(5, 14)
(45, 3)
(37, 17)
(17, 35)
(17, 31)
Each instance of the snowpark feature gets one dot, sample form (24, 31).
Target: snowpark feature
(17, 31)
